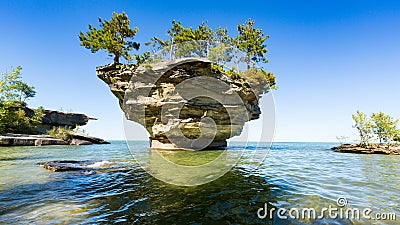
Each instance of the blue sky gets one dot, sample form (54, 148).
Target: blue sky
(330, 57)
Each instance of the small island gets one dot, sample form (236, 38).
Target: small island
(192, 92)
(380, 128)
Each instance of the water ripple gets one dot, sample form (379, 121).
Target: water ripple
(292, 175)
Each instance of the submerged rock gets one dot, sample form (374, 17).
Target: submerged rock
(76, 165)
(373, 149)
(182, 103)
(81, 139)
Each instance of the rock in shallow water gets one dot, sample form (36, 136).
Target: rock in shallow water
(39, 140)
(29, 140)
(173, 99)
(373, 149)
(76, 165)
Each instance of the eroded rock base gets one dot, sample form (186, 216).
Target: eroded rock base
(157, 145)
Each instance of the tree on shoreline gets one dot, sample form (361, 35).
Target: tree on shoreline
(379, 126)
(13, 94)
(364, 127)
(12, 88)
(384, 127)
(115, 36)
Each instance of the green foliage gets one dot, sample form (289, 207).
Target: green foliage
(191, 42)
(251, 41)
(144, 57)
(14, 120)
(79, 130)
(13, 89)
(218, 46)
(217, 68)
(364, 127)
(63, 133)
(259, 79)
(397, 137)
(220, 53)
(179, 33)
(384, 127)
(13, 93)
(379, 124)
(115, 36)
(202, 41)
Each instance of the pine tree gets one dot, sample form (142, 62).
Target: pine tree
(115, 36)
(251, 41)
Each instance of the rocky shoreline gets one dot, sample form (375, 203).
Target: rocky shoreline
(373, 149)
(42, 139)
(52, 119)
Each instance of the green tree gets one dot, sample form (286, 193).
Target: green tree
(179, 34)
(205, 37)
(13, 93)
(219, 47)
(364, 127)
(260, 80)
(13, 88)
(384, 127)
(185, 41)
(221, 52)
(142, 58)
(115, 36)
(13, 118)
(397, 138)
(251, 41)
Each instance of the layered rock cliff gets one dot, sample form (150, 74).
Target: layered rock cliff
(52, 118)
(183, 103)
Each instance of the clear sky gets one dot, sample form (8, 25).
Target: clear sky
(330, 57)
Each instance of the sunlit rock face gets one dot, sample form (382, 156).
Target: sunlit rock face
(52, 118)
(182, 103)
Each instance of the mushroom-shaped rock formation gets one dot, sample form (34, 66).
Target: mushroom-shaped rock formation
(182, 103)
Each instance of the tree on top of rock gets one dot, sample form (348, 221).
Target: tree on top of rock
(364, 127)
(115, 36)
(251, 41)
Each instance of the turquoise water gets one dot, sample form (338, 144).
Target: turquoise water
(293, 175)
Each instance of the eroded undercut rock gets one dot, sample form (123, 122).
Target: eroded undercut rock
(182, 103)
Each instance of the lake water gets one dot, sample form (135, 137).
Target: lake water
(293, 175)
